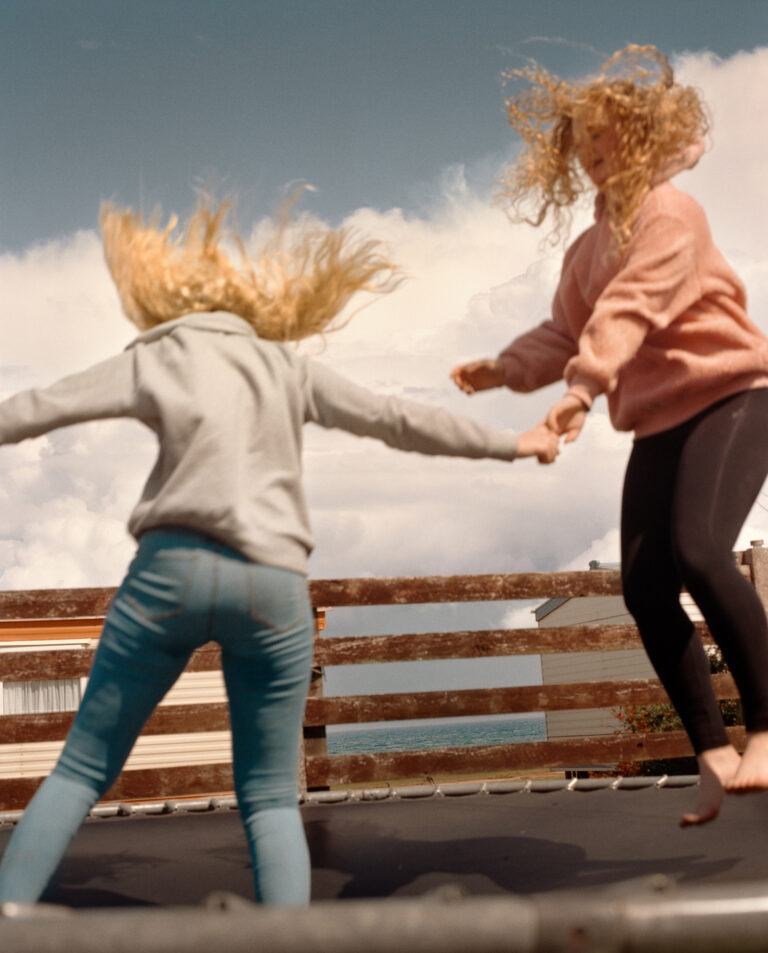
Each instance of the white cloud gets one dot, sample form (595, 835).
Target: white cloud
(730, 178)
(60, 310)
(607, 549)
(474, 283)
(66, 545)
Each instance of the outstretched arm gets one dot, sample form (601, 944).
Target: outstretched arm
(103, 391)
(333, 401)
(531, 361)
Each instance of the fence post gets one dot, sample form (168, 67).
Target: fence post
(313, 740)
(757, 559)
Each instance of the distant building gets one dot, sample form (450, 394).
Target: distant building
(560, 668)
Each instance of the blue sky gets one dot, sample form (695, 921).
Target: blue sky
(369, 100)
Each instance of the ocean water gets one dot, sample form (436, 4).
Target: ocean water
(435, 734)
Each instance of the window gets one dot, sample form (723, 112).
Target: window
(26, 698)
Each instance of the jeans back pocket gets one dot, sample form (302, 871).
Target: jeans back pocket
(160, 589)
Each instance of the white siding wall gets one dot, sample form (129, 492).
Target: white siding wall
(36, 759)
(568, 667)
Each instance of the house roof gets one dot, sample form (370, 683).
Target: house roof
(542, 611)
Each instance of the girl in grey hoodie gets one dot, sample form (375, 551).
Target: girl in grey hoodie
(222, 526)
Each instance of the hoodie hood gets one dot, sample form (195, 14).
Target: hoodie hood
(222, 321)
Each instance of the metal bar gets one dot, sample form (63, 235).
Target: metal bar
(698, 920)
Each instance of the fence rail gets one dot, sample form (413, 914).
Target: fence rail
(84, 608)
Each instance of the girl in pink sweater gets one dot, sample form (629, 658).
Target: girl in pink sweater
(649, 313)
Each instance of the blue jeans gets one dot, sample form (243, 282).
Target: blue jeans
(182, 590)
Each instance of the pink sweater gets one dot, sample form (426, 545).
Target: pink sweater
(663, 332)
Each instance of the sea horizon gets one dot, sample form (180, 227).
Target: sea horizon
(436, 733)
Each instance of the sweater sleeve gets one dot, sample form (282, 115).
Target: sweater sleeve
(657, 283)
(103, 391)
(537, 358)
(333, 401)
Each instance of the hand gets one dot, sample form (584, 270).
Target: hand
(478, 375)
(567, 417)
(541, 442)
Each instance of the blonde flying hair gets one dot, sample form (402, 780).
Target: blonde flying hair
(296, 286)
(654, 117)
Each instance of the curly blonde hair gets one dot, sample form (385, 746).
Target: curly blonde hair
(654, 117)
(296, 286)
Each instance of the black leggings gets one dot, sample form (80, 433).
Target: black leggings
(687, 492)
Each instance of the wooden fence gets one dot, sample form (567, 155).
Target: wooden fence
(320, 769)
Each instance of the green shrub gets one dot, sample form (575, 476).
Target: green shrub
(644, 719)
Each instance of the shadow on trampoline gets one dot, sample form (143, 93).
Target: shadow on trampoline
(493, 865)
(524, 844)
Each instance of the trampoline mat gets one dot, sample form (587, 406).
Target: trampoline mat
(481, 844)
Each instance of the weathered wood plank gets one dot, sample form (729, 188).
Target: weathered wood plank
(55, 603)
(205, 659)
(93, 602)
(57, 663)
(89, 603)
(353, 709)
(154, 783)
(477, 588)
(22, 729)
(393, 766)
(352, 650)
(213, 716)
(75, 663)
(166, 720)
(321, 711)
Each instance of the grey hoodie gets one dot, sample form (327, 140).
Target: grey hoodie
(228, 408)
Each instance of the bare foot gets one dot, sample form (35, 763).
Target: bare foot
(717, 767)
(752, 774)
